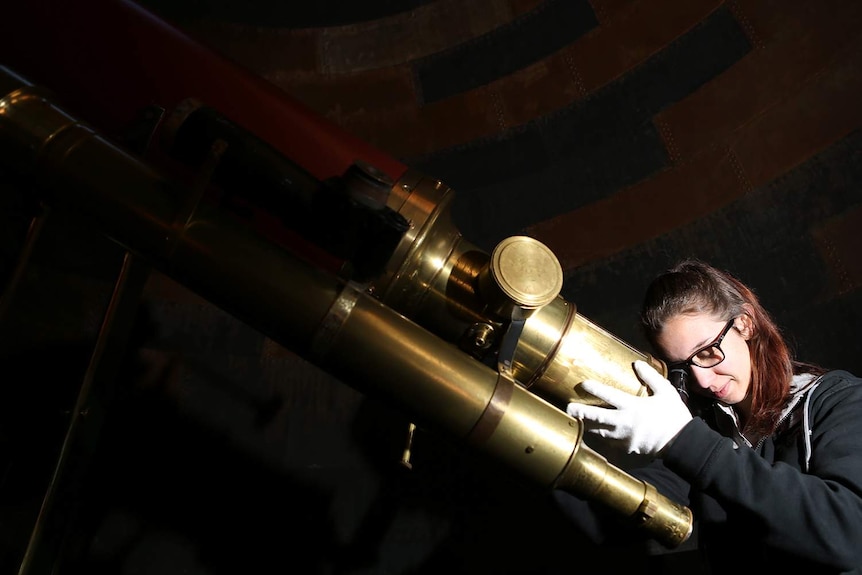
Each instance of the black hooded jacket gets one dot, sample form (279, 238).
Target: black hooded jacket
(793, 501)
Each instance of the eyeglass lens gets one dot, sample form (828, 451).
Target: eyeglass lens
(709, 355)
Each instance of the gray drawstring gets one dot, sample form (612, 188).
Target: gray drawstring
(806, 425)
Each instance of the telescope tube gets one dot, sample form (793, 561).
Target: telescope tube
(333, 323)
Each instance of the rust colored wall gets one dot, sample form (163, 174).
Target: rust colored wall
(622, 134)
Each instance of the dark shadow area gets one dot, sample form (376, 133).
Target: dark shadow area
(39, 391)
(171, 496)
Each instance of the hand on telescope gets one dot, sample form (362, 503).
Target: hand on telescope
(643, 425)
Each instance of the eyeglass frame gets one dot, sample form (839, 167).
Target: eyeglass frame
(678, 372)
(716, 343)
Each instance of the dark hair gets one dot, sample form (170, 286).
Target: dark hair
(691, 287)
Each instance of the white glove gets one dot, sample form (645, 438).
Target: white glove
(644, 425)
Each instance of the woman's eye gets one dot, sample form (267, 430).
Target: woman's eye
(707, 353)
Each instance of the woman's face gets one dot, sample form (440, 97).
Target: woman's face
(728, 381)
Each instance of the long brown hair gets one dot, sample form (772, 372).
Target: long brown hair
(692, 286)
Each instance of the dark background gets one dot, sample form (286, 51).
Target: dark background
(624, 134)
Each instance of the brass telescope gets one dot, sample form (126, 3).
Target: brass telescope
(478, 346)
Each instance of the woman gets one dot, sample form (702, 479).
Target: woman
(768, 452)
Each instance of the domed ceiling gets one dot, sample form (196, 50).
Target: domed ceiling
(623, 134)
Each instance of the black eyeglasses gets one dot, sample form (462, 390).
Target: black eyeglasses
(709, 355)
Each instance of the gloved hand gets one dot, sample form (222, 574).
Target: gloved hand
(644, 425)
